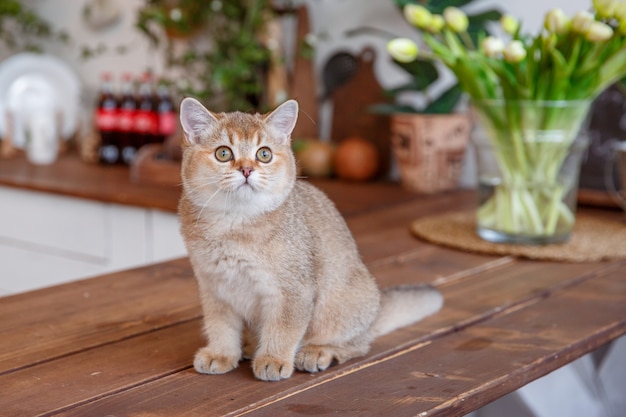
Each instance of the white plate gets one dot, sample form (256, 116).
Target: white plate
(40, 75)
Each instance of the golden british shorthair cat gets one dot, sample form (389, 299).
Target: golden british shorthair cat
(280, 278)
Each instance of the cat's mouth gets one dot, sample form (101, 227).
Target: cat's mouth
(246, 185)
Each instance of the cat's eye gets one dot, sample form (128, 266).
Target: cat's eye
(264, 155)
(223, 154)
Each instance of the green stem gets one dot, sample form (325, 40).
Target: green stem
(531, 142)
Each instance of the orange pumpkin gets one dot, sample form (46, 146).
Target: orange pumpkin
(356, 159)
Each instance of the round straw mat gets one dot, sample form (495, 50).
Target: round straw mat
(595, 238)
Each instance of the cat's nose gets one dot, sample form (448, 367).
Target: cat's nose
(246, 171)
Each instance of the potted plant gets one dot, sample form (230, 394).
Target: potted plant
(532, 94)
(429, 140)
(222, 60)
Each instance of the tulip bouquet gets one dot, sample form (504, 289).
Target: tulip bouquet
(532, 94)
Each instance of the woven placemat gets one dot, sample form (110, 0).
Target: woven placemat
(595, 238)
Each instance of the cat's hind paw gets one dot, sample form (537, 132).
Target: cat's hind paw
(269, 368)
(314, 358)
(207, 362)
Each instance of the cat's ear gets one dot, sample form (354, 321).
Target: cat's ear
(283, 119)
(195, 119)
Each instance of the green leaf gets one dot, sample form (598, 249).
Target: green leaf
(613, 69)
(560, 77)
(438, 6)
(402, 3)
(423, 72)
(477, 23)
(483, 17)
(385, 108)
(446, 102)
(435, 6)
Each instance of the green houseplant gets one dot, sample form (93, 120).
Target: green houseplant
(221, 59)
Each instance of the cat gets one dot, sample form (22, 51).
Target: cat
(280, 278)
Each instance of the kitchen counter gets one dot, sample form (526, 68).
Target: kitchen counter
(71, 176)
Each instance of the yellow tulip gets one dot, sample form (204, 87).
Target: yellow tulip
(492, 46)
(582, 21)
(556, 22)
(418, 15)
(620, 11)
(456, 19)
(605, 8)
(514, 52)
(599, 32)
(436, 24)
(509, 24)
(402, 49)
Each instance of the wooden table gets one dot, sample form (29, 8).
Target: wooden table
(122, 344)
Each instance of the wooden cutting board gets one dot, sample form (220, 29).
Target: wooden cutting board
(351, 114)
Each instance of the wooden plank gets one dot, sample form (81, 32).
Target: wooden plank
(454, 375)
(493, 291)
(76, 378)
(420, 205)
(357, 197)
(57, 321)
(432, 265)
(188, 393)
(384, 235)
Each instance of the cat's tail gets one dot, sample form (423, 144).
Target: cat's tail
(404, 305)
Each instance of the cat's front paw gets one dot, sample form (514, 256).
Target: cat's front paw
(314, 358)
(208, 362)
(269, 368)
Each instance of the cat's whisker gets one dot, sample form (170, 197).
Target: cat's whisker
(229, 196)
(206, 203)
(198, 188)
(308, 116)
(201, 181)
(198, 184)
(195, 192)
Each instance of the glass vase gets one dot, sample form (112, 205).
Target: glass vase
(528, 162)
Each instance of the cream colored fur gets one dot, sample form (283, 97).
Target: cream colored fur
(280, 277)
